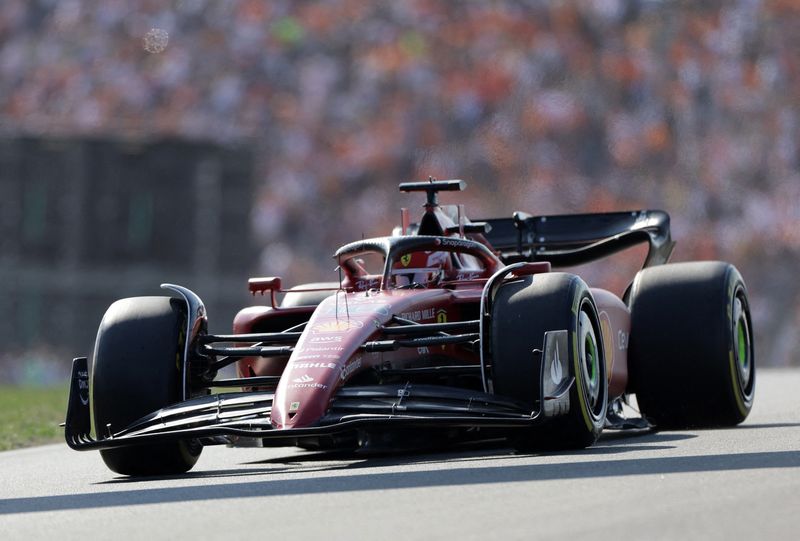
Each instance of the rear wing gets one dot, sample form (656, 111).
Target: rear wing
(574, 239)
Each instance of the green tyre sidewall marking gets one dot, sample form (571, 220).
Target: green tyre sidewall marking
(577, 363)
(741, 343)
(743, 399)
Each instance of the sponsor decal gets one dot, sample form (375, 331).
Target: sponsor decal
(313, 385)
(320, 349)
(468, 275)
(324, 339)
(297, 366)
(305, 356)
(457, 243)
(294, 406)
(83, 386)
(622, 340)
(608, 339)
(372, 283)
(348, 370)
(306, 382)
(405, 260)
(441, 316)
(337, 326)
(423, 350)
(419, 315)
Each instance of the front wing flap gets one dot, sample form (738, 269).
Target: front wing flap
(227, 417)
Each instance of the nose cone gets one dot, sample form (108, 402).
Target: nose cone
(332, 337)
(328, 351)
(302, 397)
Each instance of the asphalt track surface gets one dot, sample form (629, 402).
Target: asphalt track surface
(718, 484)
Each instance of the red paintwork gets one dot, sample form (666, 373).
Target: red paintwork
(615, 321)
(330, 344)
(328, 354)
(253, 319)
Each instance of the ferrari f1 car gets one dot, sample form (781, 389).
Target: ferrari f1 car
(447, 330)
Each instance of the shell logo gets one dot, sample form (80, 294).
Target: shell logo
(336, 326)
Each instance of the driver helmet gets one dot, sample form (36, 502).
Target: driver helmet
(425, 268)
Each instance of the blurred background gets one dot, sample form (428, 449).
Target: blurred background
(201, 142)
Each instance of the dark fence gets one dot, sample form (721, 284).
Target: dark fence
(85, 222)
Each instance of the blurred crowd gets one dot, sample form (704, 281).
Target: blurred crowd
(541, 105)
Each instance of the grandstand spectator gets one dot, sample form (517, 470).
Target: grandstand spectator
(556, 106)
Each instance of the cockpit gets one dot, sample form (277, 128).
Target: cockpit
(413, 262)
(436, 252)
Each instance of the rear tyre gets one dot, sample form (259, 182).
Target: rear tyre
(136, 370)
(691, 352)
(522, 311)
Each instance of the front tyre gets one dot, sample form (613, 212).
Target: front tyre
(136, 370)
(522, 311)
(691, 353)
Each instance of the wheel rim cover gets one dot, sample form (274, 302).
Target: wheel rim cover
(741, 334)
(589, 358)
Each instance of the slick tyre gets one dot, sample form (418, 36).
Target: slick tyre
(522, 311)
(691, 355)
(136, 370)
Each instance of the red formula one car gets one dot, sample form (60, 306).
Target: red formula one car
(447, 330)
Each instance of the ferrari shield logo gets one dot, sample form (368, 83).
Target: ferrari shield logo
(405, 260)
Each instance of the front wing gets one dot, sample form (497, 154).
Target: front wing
(228, 418)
